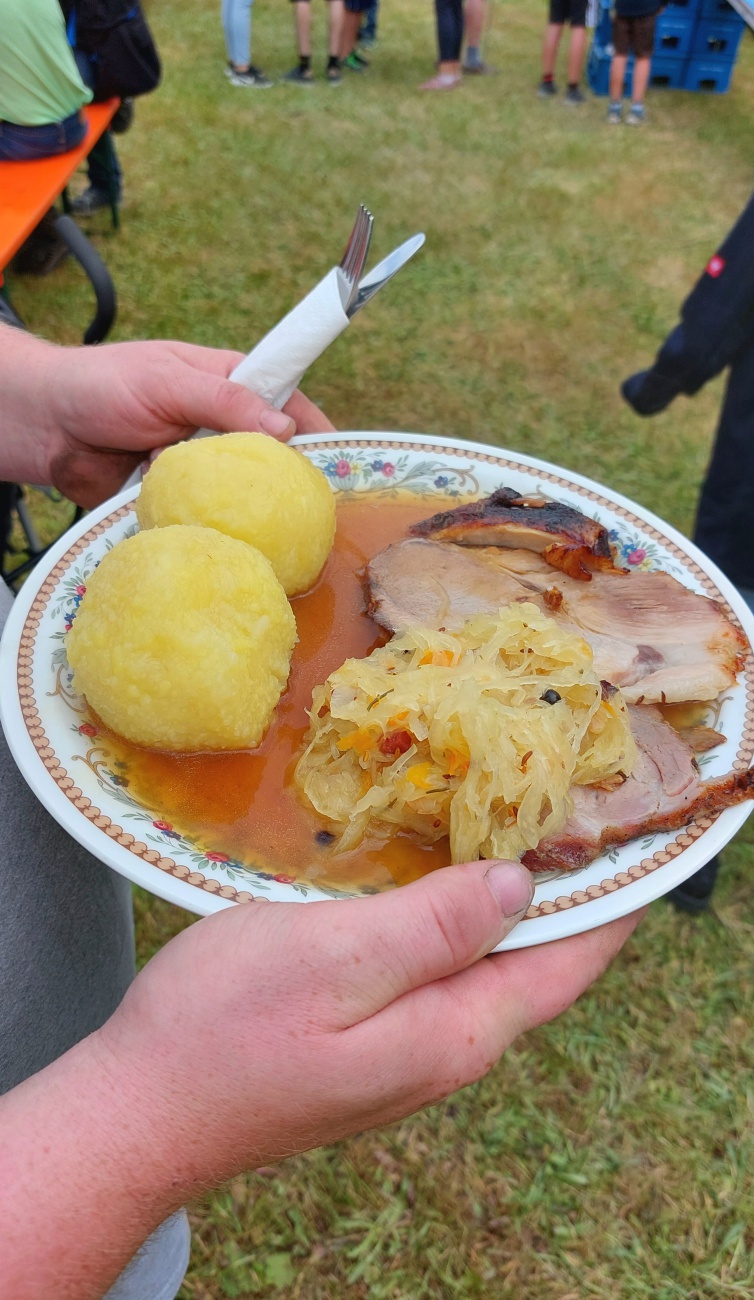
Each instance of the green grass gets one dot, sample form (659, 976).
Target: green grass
(609, 1154)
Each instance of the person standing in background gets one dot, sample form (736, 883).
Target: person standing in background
(475, 20)
(368, 29)
(302, 74)
(633, 33)
(237, 28)
(716, 330)
(353, 14)
(451, 21)
(116, 57)
(562, 12)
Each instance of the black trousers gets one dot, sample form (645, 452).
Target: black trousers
(449, 29)
(725, 517)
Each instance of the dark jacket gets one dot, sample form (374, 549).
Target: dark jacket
(717, 330)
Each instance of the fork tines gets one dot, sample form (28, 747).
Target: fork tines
(355, 256)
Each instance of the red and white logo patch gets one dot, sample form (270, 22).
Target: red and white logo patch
(716, 266)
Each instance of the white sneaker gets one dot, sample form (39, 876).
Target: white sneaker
(636, 115)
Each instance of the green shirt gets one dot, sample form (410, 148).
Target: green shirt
(39, 80)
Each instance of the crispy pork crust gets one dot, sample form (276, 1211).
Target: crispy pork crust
(568, 854)
(566, 539)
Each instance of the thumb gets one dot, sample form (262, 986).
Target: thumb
(381, 947)
(212, 402)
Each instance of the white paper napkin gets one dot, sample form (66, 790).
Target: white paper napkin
(274, 368)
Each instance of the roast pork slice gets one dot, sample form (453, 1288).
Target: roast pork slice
(651, 636)
(658, 641)
(663, 793)
(426, 584)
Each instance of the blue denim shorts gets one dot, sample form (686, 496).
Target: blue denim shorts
(19, 143)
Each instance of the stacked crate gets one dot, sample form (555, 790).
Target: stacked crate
(696, 44)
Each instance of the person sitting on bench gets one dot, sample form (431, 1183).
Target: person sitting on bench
(41, 92)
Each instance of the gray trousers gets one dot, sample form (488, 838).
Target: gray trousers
(66, 959)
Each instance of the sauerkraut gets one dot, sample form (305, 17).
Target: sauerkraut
(477, 735)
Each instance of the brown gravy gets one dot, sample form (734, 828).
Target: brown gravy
(245, 804)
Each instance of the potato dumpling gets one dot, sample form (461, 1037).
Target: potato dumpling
(183, 640)
(251, 487)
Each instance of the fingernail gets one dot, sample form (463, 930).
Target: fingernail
(275, 422)
(511, 887)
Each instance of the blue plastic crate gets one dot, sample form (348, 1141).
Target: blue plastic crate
(673, 36)
(603, 32)
(714, 39)
(709, 76)
(683, 8)
(667, 73)
(721, 10)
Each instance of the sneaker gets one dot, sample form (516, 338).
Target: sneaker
(333, 74)
(251, 77)
(480, 69)
(442, 81)
(547, 89)
(356, 62)
(300, 76)
(367, 42)
(90, 201)
(636, 115)
(574, 96)
(615, 114)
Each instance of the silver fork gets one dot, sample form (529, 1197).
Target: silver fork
(354, 259)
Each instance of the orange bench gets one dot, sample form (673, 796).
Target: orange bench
(29, 189)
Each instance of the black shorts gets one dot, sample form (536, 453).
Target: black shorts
(568, 11)
(634, 35)
(358, 6)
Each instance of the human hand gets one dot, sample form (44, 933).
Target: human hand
(259, 1032)
(269, 1029)
(82, 419)
(648, 392)
(116, 404)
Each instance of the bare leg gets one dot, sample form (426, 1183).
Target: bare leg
(641, 80)
(576, 51)
(474, 17)
(335, 19)
(304, 28)
(449, 16)
(350, 32)
(617, 76)
(553, 33)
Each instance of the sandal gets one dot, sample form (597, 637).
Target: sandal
(442, 81)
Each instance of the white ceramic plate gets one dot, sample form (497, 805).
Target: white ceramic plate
(79, 784)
